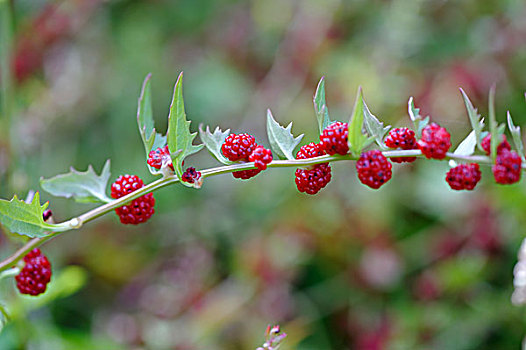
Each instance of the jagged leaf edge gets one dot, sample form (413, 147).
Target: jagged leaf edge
(281, 139)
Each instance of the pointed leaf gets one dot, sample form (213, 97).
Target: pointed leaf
(214, 141)
(495, 130)
(477, 123)
(26, 219)
(320, 106)
(374, 127)
(357, 140)
(516, 136)
(466, 147)
(179, 136)
(150, 138)
(418, 122)
(281, 139)
(82, 186)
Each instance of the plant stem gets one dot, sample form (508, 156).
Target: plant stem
(77, 222)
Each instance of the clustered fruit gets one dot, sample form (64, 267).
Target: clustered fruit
(463, 176)
(435, 141)
(35, 275)
(401, 138)
(140, 209)
(508, 164)
(312, 179)
(160, 157)
(191, 175)
(373, 169)
(243, 148)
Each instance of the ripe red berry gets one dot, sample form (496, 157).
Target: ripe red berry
(35, 274)
(463, 176)
(486, 144)
(401, 138)
(373, 168)
(245, 174)
(312, 180)
(190, 175)
(261, 157)
(334, 138)
(435, 141)
(238, 147)
(160, 156)
(140, 209)
(507, 169)
(47, 214)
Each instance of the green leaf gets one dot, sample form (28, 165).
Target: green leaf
(281, 139)
(320, 106)
(83, 187)
(466, 147)
(477, 123)
(150, 138)
(179, 136)
(26, 219)
(214, 141)
(357, 140)
(418, 122)
(374, 127)
(495, 130)
(516, 136)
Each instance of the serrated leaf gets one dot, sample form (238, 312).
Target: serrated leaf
(179, 136)
(374, 127)
(26, 219)
(214, 141)
(466, 147)
(320, 106)
(82, 186)
(477, 123)
(357, 140)
(281, 139)
(418, 122)
(516, 136)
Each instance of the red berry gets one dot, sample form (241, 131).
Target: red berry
(47, 214)
(486, 144)
(238, 147)
(401, 138)
(191, 175)
(140, 209)
(160, 156)
(35, 275)
(334, 138)
(507, 169)
(435, 141)
(463, 176)
(261, 157)
(312, 180)
(245, 174)
(373, 168)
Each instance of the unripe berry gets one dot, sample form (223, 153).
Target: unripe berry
(35, 274)
(503, 145)
(435, 141)
(401, 138)
(312, 180)
(463, 176)
(373, 168)
(140, 209)
(507, 169)
(160, 156)
(333, 139)
(238, 147)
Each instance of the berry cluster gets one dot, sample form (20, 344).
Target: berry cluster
(435, 141)
(35, 274)
(140, 209)
(463, 176)
(507, 168)
(160, 157)
(312, 180)
(373, 168)
(243, 147)
(401, 138)
(334, 139)
(191, 175)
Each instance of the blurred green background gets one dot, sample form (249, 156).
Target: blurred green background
(411, 266)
